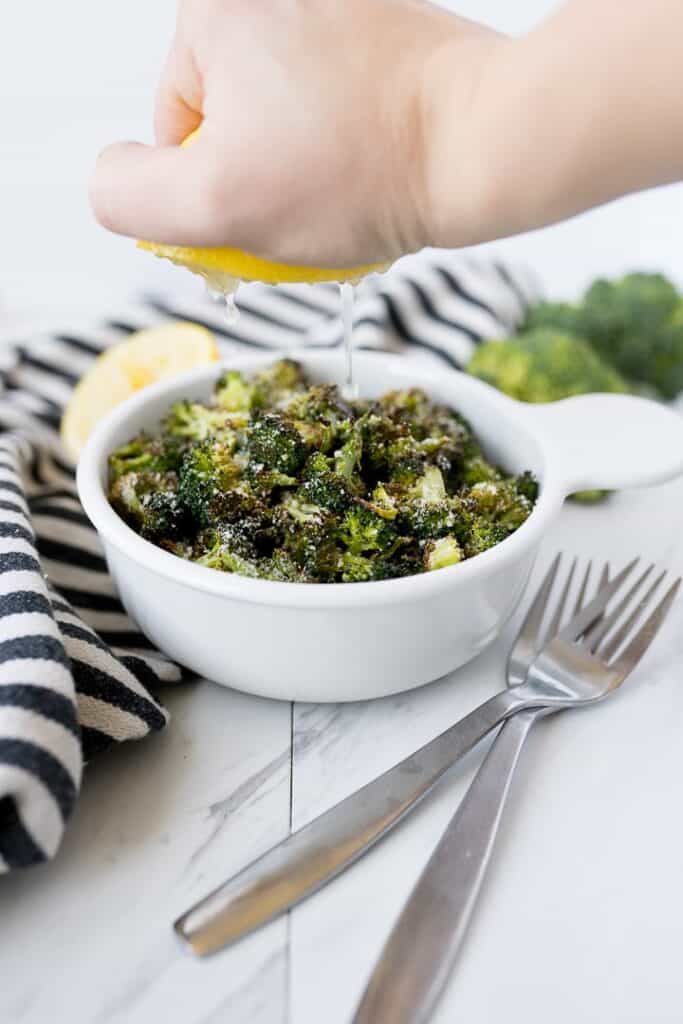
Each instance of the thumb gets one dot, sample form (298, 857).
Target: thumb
(159, 193)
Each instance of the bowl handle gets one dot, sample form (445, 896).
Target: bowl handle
(607, 441)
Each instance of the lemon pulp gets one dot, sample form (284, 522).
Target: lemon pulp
(144, 358)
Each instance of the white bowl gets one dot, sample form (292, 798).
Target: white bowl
(351, 641)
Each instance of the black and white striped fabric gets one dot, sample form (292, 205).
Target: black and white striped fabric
(76, 676)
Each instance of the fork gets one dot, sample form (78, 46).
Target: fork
(308, 859)
(419, 955)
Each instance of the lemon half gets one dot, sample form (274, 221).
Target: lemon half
(223, 269)
(144, 358)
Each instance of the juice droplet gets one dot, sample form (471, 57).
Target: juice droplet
(225, 295)
(346, 291)
(232, 313)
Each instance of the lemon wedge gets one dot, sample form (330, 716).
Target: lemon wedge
(144, 358)
(224, 269)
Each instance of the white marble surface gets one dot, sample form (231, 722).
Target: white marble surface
(581, 918)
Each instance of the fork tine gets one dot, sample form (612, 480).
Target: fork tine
(530, 632)
(556, 621)
(596, 607)
(599, 631)
(582, 591)
(611, 646)
(631, 655)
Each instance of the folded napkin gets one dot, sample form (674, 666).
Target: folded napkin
(76, 676)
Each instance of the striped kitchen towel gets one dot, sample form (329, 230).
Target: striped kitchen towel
(75, 673)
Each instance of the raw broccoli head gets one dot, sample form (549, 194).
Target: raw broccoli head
(629, 323)
(206, 472)
(275, 443)
(145, 454)
(558, 316)
(544, 365)
(150, 504)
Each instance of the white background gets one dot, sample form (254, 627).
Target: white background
(75, 75)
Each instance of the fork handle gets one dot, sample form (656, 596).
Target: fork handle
(419, 954)
(306, 860)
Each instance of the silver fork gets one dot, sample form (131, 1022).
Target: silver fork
(305, 861)
(420, 952)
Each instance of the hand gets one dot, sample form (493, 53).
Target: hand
(317, 139)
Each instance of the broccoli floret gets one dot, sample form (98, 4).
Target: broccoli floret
(477, 470)
(207, 471)
(526, 484)
(281, 566)
(324, 487)
(347, 459)
(215, 554)
(321, 417)
(266, 481)
(382, 503)
(362, 531)
(633, 324)
(235, 394)
(313, 548)
(196, 422)
(405, 462)
(144, 454)
(150, 504)
(558, 316)
(430, 486)
(275, 384)
(544, 366)
(424, 519)
(411, 406)
(357, 568)
(443, 552)
(276, 444)
(321, 403)
(501, 502)
(483, 534)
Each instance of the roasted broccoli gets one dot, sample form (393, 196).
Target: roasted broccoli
(145, 454)
(274, 442)
(279, 480)
(207, 473)
(276, 384)
(234, 394)
(193, 421)
(149, 502)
